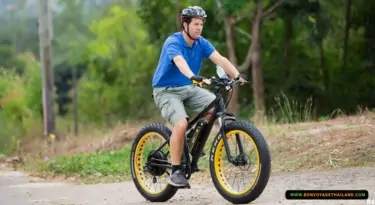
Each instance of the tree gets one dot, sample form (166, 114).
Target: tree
(253, 56)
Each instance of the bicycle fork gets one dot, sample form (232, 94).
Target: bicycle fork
(240, 159)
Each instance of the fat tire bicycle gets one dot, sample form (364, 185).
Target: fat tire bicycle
(197, 134)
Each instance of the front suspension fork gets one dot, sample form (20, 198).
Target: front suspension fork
(225, 139)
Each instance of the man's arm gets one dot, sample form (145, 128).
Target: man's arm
(174, 54)
(183, 66)
(223, 62)
(184, 69)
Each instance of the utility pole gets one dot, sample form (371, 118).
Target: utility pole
(45, 48)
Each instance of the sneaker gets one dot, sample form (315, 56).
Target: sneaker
(179, 180)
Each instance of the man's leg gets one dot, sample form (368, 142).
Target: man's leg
(177, 143)
(172, 110)
(198, 99)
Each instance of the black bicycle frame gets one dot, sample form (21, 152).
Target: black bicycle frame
(198, 146)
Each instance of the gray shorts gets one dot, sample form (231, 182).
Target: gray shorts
(172, 101)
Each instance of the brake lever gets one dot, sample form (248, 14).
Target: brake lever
(238, 81)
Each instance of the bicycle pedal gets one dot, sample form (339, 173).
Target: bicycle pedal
(195, 168)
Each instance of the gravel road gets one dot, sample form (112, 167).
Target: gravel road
(18, 189)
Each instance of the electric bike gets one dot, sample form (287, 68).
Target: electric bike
(150, 163)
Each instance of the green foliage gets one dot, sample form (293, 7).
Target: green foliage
(118, 71)
(7, 59)
(20, 101)
(232, 7)
(159, 17)
(71, 23)
(104, 163)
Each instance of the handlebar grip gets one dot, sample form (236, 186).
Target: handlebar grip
(200, 84)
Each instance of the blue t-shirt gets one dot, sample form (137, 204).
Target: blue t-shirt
(167, 73)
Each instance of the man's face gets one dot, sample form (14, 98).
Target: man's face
(195, 27)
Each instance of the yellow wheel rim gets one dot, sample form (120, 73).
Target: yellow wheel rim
(139, 161)
(220, 158)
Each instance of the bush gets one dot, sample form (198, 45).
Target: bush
(21, 103)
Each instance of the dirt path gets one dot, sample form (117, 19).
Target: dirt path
(18, 189)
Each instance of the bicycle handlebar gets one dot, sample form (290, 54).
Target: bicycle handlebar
(221, 82)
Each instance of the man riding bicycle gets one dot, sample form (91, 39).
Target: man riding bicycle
(179, 65)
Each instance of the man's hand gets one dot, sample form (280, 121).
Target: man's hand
(200, 80)
(242, 78)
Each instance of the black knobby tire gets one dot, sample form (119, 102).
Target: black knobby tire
(169, 191)
(264, 158)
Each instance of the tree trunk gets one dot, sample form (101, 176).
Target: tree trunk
(288, 37)
(347, 28)
(257, 76)
(322, 65)
(326, 75)
(229, 32)
(229, 24)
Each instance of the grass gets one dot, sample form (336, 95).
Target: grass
(96, 167)
(291, 110)
(343, 142)
(103, 166)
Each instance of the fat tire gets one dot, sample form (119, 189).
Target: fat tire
(265, 163)
(170, 191)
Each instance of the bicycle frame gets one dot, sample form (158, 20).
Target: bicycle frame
(219, 112)
(199, 143)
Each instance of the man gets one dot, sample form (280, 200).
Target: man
(179, 64)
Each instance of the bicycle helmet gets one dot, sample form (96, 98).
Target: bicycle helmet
(192, 12)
